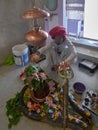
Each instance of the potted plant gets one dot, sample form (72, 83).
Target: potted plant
(37, 80)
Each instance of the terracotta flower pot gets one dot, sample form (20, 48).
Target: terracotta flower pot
(40, 94)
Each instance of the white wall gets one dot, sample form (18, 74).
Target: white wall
(91, 19)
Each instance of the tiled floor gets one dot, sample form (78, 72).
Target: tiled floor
(10, 84)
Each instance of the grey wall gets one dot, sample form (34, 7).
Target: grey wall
(12, 27)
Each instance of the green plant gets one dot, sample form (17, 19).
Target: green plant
(35, 77)
(13, 111)
(30, 70)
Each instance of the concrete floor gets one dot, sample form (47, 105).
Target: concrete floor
(10, 83)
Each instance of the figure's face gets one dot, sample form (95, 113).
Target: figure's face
(59, 40)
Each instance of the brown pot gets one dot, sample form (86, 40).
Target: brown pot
(40, 94)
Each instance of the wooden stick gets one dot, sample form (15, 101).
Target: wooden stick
(65, 103)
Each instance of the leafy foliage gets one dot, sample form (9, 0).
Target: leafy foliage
(13, 111)
(30, 70)
(36, 84)
(35, 77)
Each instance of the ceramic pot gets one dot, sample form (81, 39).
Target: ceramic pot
(40, 94)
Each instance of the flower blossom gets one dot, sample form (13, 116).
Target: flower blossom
(49, 101)
(55, 96)
(56, 115)
(51, 86)
(29, 104)
(42, 75)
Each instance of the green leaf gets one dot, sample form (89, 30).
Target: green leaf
(13, 111)
(30, 70)
(36, 84)
(46, 108)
